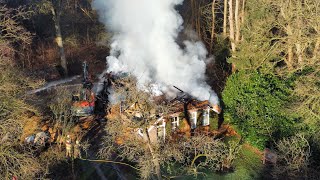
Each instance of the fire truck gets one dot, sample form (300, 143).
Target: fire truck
(83, 102)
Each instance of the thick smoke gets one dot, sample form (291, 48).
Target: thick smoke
(145, 45)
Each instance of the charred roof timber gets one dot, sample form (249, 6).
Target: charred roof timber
(187, 98)
(182, 96)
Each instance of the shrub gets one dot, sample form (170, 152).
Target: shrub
(214, 121)
(255, 104)
(293, 157)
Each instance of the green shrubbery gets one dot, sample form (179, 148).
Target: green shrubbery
(256, 105)
(214, 121)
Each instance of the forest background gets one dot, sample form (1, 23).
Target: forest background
(265, 70)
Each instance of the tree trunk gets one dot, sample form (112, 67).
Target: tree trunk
(225, 13)
(56, 13)
(290, 48)
(192, 14)
(243, 11)
(243, 15)
(290, 57)
(299, 53)
(237, 20)
(154, 157)
(316, 48)
(231, 24)
(213, 24)
(198, 15)
(299, 39)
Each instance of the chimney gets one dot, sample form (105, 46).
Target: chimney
(216, 108)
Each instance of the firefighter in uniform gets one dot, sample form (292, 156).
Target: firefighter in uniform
(68, 147)
(77, 150)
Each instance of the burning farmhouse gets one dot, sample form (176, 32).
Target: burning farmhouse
(139, 113)
(151, 50)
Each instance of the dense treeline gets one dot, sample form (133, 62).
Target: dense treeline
(14, 159)
(29, 54)
(272, 95)
(63, 33)
(275, 92)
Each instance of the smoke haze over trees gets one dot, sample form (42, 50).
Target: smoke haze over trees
(145, 45)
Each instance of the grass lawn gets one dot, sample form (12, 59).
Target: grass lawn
(248, 167)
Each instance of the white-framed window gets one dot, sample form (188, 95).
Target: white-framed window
(206, 117)
(193, 119)
(175, 122)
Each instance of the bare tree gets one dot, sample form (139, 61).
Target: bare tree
(213, 23)
(54, 8)
(243, 11)
(291, 22)
(15, 161)
(192, 13)
(293, 157)
(11, 28)
(312, 9)
(231, 26)
(243, 14)
(60, 107)
(237, 21)
(225, 14)
(208, 25)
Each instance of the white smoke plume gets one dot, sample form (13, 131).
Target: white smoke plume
(145, 45)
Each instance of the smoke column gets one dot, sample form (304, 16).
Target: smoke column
(145, 45)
